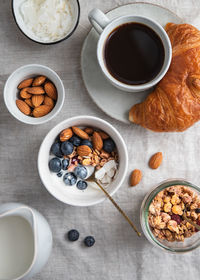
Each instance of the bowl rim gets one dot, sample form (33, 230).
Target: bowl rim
(84, 118)
(47, 43)
(143, 214)
(40, 121)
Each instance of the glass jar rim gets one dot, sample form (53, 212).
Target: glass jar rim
(144, 211)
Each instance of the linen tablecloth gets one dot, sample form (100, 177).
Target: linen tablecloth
(118, 252)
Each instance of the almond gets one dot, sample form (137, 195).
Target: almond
(66, 134)
(25, 83)
(37, 100)
(48, 101)
(156, 160)
(24, 94)
(83, 150)
(35, 90)
(89, 130)
(38, 81)
(41, 111)
(50, 90)
(23, 107)
(97, 141)
(79, 132)
(103, 135)
(136, 177)
(29, 102)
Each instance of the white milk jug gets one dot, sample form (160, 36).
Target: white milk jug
(25, 241)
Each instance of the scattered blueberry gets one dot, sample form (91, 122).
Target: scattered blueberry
(81, 185)
(197, 210)
(89, 241)
(75, 140)
(67, 148)
(87, 143)
(65, 163)
(55, 149)
(60, 174)
(73, 235)
(108, 145)
(80, 171)
(55, 165)
(176, 218)
(70, 179)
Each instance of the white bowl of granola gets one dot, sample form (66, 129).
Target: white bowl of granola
(168, 214)
(76, 153)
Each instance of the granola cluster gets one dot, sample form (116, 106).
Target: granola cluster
(166, 213)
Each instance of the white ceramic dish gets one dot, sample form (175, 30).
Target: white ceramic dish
(24, 72)
(75, 11)
(105, 27)
(112, 101)
(71, 195)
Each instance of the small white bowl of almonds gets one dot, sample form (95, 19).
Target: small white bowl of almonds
(34, 94)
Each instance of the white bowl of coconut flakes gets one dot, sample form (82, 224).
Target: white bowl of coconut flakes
(46, 21)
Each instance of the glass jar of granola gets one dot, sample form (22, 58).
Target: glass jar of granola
(162, 216)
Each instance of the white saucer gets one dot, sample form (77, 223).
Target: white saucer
(114, 102)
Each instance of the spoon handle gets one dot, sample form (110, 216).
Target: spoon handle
(120, 210)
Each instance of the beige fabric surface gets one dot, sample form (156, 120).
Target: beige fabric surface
(118, 252)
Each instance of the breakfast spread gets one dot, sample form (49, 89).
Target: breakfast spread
(48, 20)
(174, 105)
(166, 213)
(83, 153)
(37, 96)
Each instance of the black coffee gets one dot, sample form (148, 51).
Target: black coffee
(134, 53)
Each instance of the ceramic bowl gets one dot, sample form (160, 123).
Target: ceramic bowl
(11, 91)
(72, 195)
(75, 10)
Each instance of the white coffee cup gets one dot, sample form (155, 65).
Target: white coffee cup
(105, 26)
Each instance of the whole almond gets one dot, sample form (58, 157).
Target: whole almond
(97, 141)
(156, 160)
(23, 107)
(89, 130)
(48, 101)
(50, 90)
(83, 150)
(37, 100)
(25, 83)
(29, 102)
(38, 81)
(41, 111)
(66, 134)
(35, 90)
(103, 135)
(79, 132)
(136, 177)
(24, 94)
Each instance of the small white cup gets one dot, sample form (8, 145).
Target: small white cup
(105, 26)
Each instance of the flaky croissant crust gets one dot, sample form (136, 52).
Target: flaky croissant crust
(174, 105)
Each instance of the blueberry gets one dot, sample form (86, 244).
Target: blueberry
(87, 143)
(65, 163)
(108, 145)
(55, 149)
(67, 148)
(81, 172)
(89, 241)
(70, 179)
(55, 165)
(60, 174)
(75, 140)
(197, 210)
(81, 185)
(73, 235)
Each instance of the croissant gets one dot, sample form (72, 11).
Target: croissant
(174, 105)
